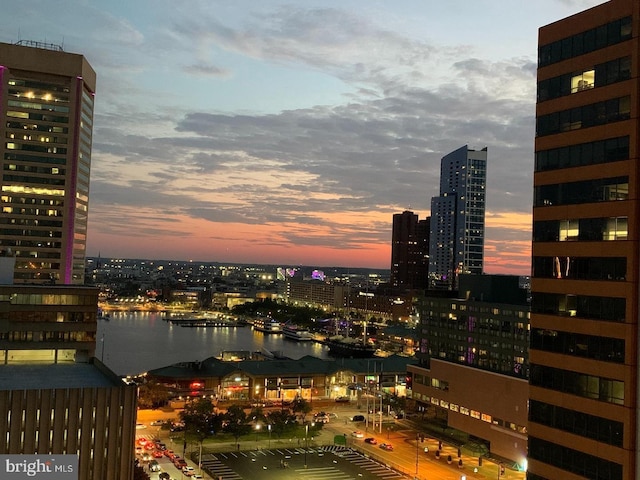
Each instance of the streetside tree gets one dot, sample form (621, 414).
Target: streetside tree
(301, 407)
(236, 422)
(282, 422)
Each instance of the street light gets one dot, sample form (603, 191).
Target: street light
(269, 427)
(257, 430)
(417, 456)
(306, 442)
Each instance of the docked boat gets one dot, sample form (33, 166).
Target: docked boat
(348, 347)
(267, 325)
(299, 334)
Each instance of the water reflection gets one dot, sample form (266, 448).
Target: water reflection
(135, 342)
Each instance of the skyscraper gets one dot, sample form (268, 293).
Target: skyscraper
(409, 251)
(583, 407)
(457, 218)
(46, 108)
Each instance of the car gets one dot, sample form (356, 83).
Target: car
(149, 446)
(146, 457)
(157, 423)
(140, 426)
(343, 399)
(188, 471)
(332, 415)
(179, 462)
(357, 434)
(197, 476)
(169, 454)
(371, 440)
(357, 418)
(386, 446)
(164, 476)
(139, 450)
(157, 454)
(154, 466)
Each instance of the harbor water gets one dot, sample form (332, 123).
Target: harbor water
(130, 343)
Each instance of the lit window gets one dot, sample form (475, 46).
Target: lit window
(583, 81)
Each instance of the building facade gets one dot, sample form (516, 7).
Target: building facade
(583, 418)
(456, 243)
(475, 340)
(55, 398)
(46, 108)
(409, 251)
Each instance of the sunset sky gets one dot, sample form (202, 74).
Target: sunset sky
(290, 132)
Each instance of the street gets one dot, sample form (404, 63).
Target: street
(408, 456)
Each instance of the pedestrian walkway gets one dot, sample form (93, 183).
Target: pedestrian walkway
(368, 464)
(322, 473)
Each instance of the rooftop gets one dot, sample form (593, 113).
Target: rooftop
(49, 376)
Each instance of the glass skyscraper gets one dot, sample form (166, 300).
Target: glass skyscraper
(457, 218)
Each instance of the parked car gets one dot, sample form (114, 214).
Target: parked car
(343, 399)
(386, 446)
(197, 476)
(157, 423)
(164, 476)
(357, 434)
(357, 418)
(371, 440)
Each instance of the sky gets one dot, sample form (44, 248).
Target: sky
(290, 132)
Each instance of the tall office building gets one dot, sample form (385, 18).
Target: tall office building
(46, 111)
(583, 417)
(55, 397)
(409, 251)
(457, 218)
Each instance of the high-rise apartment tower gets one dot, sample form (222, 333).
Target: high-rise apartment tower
(46, 112)
(409, 251)
(583, 407)
(457, 218)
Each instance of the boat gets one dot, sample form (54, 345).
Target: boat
(349, 347)
(299, 334)
(267, 325)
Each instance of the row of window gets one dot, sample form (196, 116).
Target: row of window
(454, 407)
(48, 202)
(48, 299)
(581, 268)
(587, 191)
(31, 233)
(44, 336)
(42, 212)
(584, 116)
(21, 180)
(579, 423)
(20, 157)
(37, 117)
(580, 384)
(590, 153)
(585, 42)
(606, 349)
(603, 74)
(36, 85)
(30, 244)
(582, 229)
(12, 167)
(582, 306)
(38, 106)
(36, 127)
(574, 461)
(29, 147)
(28, 222)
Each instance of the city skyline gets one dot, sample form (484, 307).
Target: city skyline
(291, 134)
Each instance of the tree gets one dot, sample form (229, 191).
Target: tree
(257, 415)
(281, 421)
(139, 473)
(301, 406)
(236, 422)
(152, 395)
(198, 417)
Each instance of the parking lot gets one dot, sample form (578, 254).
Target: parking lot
(334, 462)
